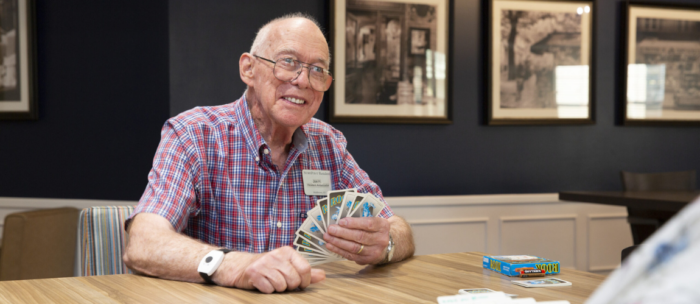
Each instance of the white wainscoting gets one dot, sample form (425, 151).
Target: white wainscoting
(583, 236)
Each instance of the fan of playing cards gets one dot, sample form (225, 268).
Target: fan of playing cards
(328, 211)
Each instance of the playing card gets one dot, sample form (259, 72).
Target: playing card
(315, 215)
(323, 207)
(314, 237)
(482, 290)
(551, 282)
(306, 252)
(371, 206)
(335, 204)
(304, 242)
(475, 290)
(350, 201)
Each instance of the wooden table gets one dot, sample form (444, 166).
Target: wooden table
(420, 279)
(651, 200)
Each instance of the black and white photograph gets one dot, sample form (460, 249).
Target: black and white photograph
(395, 65)
(420, 41)
(540, 61)
(16, 72)
(663, 70)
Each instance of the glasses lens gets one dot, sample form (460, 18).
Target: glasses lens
(320, 81)
(288, 69)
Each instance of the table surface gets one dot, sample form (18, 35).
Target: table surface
(654, 200)
(420, 279)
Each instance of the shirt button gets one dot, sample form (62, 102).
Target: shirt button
(257, 158)
(279, 224)
(266, 151)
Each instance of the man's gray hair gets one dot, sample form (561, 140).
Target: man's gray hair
(264, 31)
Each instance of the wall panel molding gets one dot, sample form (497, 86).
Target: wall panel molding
(450, 221)
(476, 220)
(613, 249)
(467, 200)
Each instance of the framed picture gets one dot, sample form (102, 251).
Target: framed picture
(17, 68)
(390, 61)
(662, 65)
(419, 41)
(540, 62)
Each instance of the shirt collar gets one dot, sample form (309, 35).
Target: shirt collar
(250, 132)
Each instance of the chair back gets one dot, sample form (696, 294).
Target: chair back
(39, 244)
(663, 181)
(101, 240)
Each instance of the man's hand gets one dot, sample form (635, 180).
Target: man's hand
(278, 270)
(363, 240)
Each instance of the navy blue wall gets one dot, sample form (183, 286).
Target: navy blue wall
(111, 74)
(103, 96)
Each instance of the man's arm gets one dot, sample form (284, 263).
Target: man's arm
(156, 249)
(365, 240)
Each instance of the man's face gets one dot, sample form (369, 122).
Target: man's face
(294, 103)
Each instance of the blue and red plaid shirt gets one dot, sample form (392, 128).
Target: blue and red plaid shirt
(213, 181)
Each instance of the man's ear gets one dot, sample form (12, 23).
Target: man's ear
(245, 66)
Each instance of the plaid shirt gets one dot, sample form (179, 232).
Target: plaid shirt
(213, 180)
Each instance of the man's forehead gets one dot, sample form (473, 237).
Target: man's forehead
(300, 38)
(295, 53)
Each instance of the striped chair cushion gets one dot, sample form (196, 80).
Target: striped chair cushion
(101, 240)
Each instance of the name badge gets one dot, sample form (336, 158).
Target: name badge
(316, 182)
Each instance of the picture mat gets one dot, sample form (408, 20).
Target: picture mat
(342, 109)
(548, 6)
(21, 105)
(657, 13)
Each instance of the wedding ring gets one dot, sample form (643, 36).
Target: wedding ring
(361, 247)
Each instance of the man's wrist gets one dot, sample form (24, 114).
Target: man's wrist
(211, 263)
(388, 251)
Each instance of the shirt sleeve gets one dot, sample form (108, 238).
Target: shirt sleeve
(171, 190)
(352, 176)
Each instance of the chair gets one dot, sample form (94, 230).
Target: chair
(101, 240)
(643, 222)
(39, 244)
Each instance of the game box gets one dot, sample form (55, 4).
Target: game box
(511, 265)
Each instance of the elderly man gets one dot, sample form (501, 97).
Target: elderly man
(230, 177)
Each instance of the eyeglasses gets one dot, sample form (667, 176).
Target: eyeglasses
(290, 69)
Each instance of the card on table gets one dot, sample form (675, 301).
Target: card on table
(482, 290)
(550, 282)
(475, 290)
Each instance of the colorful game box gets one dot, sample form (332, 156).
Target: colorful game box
(511, 265)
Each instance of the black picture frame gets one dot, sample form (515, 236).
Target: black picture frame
(384, 82)
(560, 58)
(18, 79)
(659, 70)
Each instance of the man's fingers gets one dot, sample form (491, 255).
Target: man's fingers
(364, 223)
(278, 281)
(262, 284)
(317, 275)
(303, 269)
(346, 245)
(357, 236)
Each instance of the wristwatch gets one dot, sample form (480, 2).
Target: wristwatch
(210, 263)
(390, 249)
